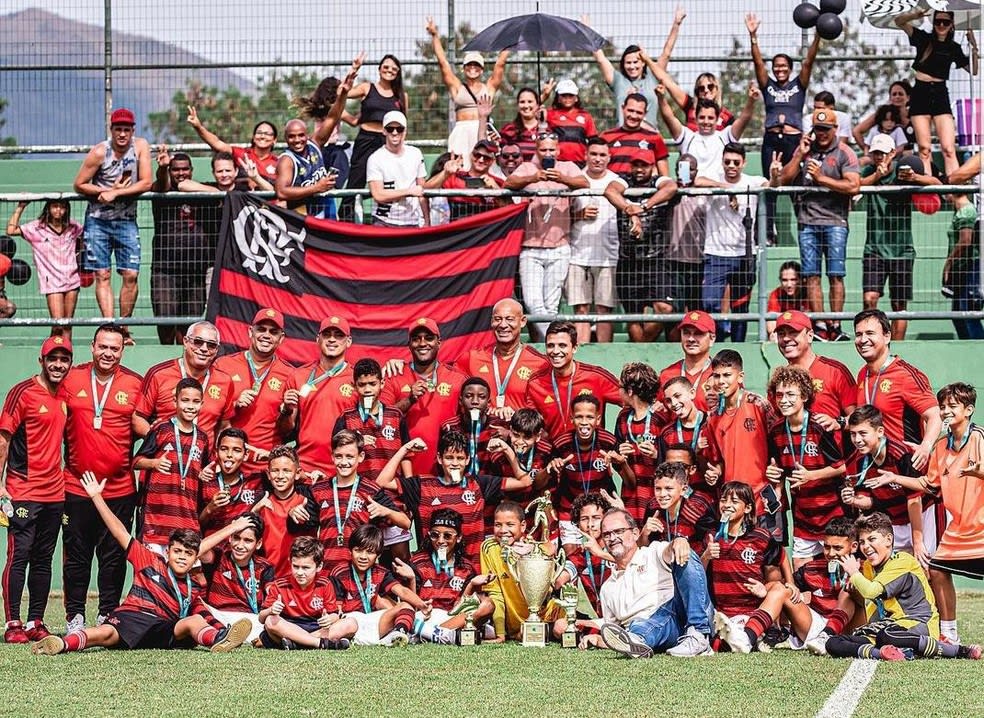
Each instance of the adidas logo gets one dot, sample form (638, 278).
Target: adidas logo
(324, 504)
(428, 584)
(227, 574)
(436, 502)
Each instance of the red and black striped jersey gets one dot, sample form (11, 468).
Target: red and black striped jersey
(696, 519)
(554, 402)
(592, 572)
(633, 431)
(815, 503)
(34, 418)
(156, 590)
(623, 143)
(330, 515)
(815, 578)
(573, 127)
(892, 498)
(170, 502)
(534, 461)
(377, 582)
(238, 588)
(741, 559)
(302, 604)
(488, 428)
(588, 471)
(245, 492)
(442, 589)
(382, 436)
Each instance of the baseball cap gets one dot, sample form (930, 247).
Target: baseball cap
(795, 319)
(269, 315)
(394, 117)
(425, 323)
(340, 323)
(824, 118)
(912, 162)
(57, 342)
(122, 116)
(473, 58)
(640, 154)
(701, 321)
(566, 87)
(882, 143)
(486, 145)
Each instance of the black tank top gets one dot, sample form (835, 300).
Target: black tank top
(374, 106)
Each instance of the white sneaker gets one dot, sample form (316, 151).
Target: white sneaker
(622, 641)
(76, 623)
(101, 619)
(692, 643)
(732, 634)
(818, 645)
(396, 639)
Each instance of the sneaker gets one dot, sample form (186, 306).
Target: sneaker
(287, 644)
(101, 619)
(774, 637)
(891, 653)
(444, 636)
(397, 638)
(692, 643)
(971, 651)
(818, 644)
(48, 646)
(37, 632)
(327, 644)
(232, 636)
(15, 633)
(820, 331)
(732, 634)
(624, 642)
(75, 623)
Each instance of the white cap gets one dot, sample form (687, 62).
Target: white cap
(394, 117)
(473, 57)
(566, 87)
(882, 143)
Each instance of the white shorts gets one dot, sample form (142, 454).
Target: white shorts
(903, 537)
(931, 532)
(394, 535)
(462, 140)
(806, 548)
(817, 624)
(230, 617)
(368, 633)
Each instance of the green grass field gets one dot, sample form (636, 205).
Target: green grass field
(485, 681)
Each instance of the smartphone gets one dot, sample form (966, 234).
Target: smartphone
(771, 499)
(683, 172)
(548, 163)
(126, 175)
(474, 183)
(333, 172)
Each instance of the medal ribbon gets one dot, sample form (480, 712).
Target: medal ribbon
(645, 432)
(251, 587)
(570, 388)
(183, 468)
(339, 521)
(585, 485)
(869, 396)
(696, 435)
(431, 381)
(337, 369)
(254, 373)
(184, 374)
(98, 406)
(365, 594)
(789, 437)
(500, 385)
(184, 602)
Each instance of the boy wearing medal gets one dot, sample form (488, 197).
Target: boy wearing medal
(583, 567)
(674, 511)
(226, 491)
(637, 430)
(348, 500)
(533, 453)
(473, 420)
(316, 395)
(171, 458)
(808, 456)
(689, 427)
(287, 508)
(164, 607)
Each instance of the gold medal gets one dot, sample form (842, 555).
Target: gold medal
(340, 540)
(97, 422)
(500, 401)
(305, 390)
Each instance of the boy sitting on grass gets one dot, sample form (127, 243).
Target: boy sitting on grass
(902, 619)
(164, 607)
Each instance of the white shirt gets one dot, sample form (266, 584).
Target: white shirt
(640, 589)
(397, 172)
(594, 242)
(725, 231)
(843, 124)
(707, 149)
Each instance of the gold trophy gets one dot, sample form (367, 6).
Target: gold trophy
(534, 571)
(568, 599)
(468, 635)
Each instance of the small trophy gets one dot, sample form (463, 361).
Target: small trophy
(468, 636)
(568, 599)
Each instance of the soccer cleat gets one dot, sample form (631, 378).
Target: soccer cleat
(327, 644)
(692, 643)
(48, 646)
(891, 653)
(75, 623)
(774, 637)
(15, 633)
(287, 644)
(622, 641)
(232, 636)
(397, 638)
(818, 644)
(971, 651)
(37, 632)
(444, 636)
(731, 634)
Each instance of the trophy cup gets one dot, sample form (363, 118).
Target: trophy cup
(568, 599)
(468, 636)
(534, 573)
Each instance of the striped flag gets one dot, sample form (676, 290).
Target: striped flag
(380, 279)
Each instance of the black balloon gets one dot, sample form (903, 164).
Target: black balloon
(805, 15)
(8, 246)
(834, 6)
(20, 272)
(829, 26)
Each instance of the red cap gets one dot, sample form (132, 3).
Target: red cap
(340, 323)
(57, 342)
(122, 116)
(701, 321)
(795, 319)
(269, 315)
(642, 154)
(425, 323)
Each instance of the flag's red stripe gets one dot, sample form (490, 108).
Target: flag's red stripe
(367, 231)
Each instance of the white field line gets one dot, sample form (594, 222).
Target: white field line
(844, 700)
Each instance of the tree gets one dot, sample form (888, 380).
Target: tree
(5, 141)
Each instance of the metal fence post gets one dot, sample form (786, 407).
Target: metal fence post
(762, 267)
(108, 60)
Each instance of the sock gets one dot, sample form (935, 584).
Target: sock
(427, 632)
(931, 648)
(949, 631)
(75, 641)
(404, 620)
(869, 651)
(206, 637)
(836, 622)
(756, 624)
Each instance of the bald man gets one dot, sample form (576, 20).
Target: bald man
(301, 173)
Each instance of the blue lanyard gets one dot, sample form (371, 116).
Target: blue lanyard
(868, 461)
(527, 464)
(184, 374)
(251, 587)
(337, 369)
(184, 603)
(239, 482)
(473, 434)
(595, 584)
(566, 411)
(254, 372)
(98, 406)
(834, 574)
(869, 396)
(183, 468)
(950, 443)
(585, 485)
(364, 593)
(365, 414)
(645, 435)
(431, 381)
(445, 567)
(339, 521)
(722, 406)
(502, 384)
(670, 534)
(696, 435)
(802, 446)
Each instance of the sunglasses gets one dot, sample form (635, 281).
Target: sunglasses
(706, 88)
(446, 535)
(198, 343)
(394, 129)
(547, 136)
(482, 156)
(511, 155)
(942, 22)
(731, 163)
(264, 329)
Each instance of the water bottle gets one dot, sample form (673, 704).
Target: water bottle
(6, 506)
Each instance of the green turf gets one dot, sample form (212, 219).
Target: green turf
(486, 681)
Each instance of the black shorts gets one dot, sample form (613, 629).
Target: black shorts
(641, 281)
(302, 623)
(929, 98)
(685, 280)
(968, 567)
(898, 272)
(142, 630)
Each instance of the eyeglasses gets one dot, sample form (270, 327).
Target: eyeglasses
(706, 88)
(394, 129)
(731, 163)
(209, 344)
(482, 156)
(264, 133)
(510, 155)
(605, 535)
(942, 22)
(446, 535)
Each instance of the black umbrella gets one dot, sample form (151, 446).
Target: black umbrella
(537, 32)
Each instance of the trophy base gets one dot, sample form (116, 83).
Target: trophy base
(568, 639)
(534, 634)
(468, 637)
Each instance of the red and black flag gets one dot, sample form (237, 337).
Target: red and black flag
(380, 279)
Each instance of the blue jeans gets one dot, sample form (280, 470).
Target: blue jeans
(719, 272)
(691, 606)
(818, 241)
(967, 298)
